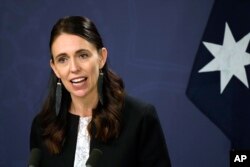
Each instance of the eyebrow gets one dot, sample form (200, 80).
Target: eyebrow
(76, 52)
(81, 50)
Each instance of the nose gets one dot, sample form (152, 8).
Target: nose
(74, 66)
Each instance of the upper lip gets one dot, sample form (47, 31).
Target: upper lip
(77, 78)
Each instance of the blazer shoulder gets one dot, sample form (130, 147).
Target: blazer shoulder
(138, 107)
(143, 117)
(35, 133)
(133, 102)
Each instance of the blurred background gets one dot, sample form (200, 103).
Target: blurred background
(152, 46)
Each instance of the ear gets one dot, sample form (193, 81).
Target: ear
(52, 65)
(103, 57)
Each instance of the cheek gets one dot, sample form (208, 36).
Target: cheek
(95, 72)
(94, 69)
(62, 72)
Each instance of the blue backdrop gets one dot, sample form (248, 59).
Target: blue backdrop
(151, 44)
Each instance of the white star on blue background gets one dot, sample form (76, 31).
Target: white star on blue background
(230, 58)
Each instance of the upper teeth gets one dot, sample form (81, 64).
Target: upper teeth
(77, 80)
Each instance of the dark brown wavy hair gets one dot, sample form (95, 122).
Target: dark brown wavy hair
(106, 118)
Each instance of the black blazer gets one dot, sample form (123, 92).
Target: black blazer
(140, 144)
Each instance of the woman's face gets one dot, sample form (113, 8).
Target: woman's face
(77, 63)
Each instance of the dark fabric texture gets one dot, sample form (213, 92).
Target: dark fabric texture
(141, 142)
(222, 93)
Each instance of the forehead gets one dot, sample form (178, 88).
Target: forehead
(67, 43)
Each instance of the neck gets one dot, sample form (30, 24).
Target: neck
(83, 106)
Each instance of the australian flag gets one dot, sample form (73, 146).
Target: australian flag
(219, 83)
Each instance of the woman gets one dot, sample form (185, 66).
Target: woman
(87, 107)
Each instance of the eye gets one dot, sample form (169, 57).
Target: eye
(61, 59)
(83, 55)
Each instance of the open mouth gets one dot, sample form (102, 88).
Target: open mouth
(78, 80)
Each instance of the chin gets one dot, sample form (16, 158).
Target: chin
(78, 94)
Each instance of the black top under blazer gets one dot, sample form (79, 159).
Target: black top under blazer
(140, 144)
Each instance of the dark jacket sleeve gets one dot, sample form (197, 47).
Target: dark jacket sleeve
(152, 145)
(34, 134)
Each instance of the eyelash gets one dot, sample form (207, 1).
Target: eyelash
(62, 59)
(84, 55)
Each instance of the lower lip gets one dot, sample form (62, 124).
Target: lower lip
(79, 85)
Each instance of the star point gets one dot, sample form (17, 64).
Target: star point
(230, 58)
